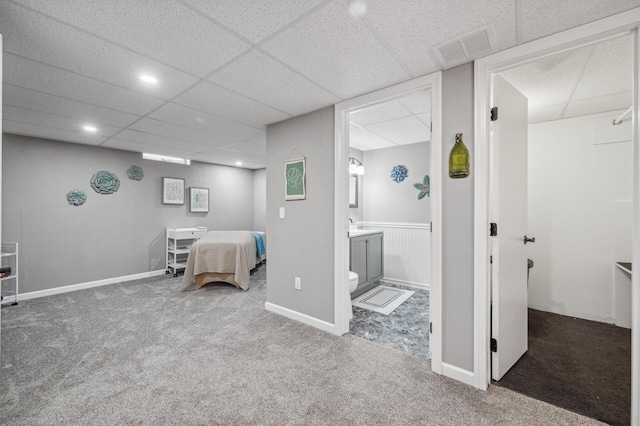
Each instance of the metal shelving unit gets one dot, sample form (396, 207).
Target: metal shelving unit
(9, 284)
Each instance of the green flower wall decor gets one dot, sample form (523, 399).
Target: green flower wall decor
(135, 173)
(76, 198)
(105, 182)
(423, 187)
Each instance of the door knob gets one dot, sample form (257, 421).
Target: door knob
(529, 240)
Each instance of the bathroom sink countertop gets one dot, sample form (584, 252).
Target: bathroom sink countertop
(361, 232)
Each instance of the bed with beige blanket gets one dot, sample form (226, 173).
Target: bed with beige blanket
(226, 256)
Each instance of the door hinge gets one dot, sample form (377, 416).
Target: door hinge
(431, 327)
(431, 227)
(493, 229)
(494, 345)
(491, 259)
(494, 113)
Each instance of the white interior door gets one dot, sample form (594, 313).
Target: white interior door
(509, 212)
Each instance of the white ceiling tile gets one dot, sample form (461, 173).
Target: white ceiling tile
(36, 76)
(161, 141)
(549, 81)
(142, 147)
(252, 19)
(27, 129)
(609, 70)
(544, 17)
(262, 140)
(338, 52)
(364, 140)
(425, 118)
(54, 121)
(38, 101)
(223, 128)
(418, 102)
(46, 40)
(549, 113)
(402, 131)
(246, 147)
(618, 101)
(226, 159)
(168, 32)
(239, 156)
(379, 113)
(212, 99)
(261, 77)
(412, 27)
(179, 133)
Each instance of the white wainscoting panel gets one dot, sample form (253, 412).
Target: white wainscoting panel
(406, 252)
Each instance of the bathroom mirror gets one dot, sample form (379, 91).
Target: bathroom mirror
(353, 190)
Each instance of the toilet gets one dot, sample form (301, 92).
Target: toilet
(353, 281)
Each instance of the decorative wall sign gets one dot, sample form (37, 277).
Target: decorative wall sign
(76, 198)
(198, 200)
(423, 187)
(105, 182)
(172, 190)
(459, 159)
(295, 179)
(135, 173)
(399, 173)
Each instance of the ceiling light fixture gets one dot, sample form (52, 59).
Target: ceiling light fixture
(355, 167)
(238, 163)
(89, 128)
(148, 79)
(357, 8)
(166, 158)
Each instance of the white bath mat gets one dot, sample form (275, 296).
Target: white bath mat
(382, 299)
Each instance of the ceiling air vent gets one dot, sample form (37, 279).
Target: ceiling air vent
(466, 48)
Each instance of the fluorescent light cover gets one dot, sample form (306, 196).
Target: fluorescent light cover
(88, 128)
(165, 158)
(148, 79)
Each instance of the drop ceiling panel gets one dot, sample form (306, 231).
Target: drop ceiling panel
(249, 148)
(609, 71)
(425, 118)
(239, 156)
(549, 81)
(161, 141)
(618, 101)
(252, 19)
(264, 79)
(204, 139)
(212, 99)
(418, 102)
(226, 159)
(38, 101)
(412, 27)
(379, 113)
(36, 76)
(543, 17)
(27, 129)
(338, 52)
(142, 147)
(402, 131)
(56, 44)
(160, 33)
(53, 121)
(261, 141)
(364, 140)
(187, 117)
(549, 113)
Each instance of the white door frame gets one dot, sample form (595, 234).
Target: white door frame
(341, 244)
(623, 23)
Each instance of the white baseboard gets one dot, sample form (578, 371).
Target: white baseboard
(91, 284)
(300, 317)
(419, 286)
(459, 374)
(560, 311)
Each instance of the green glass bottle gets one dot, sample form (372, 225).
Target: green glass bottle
(459, 159)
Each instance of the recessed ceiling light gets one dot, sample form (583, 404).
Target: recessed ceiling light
(148, 79)
(238, 163)
(357, 8)
(90, 128)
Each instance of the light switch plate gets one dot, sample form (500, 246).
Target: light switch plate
(281, 212)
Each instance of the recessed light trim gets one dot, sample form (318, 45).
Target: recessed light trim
(90, 128)
(148, 79)
(166, 158)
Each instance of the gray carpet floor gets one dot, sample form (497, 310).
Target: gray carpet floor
(148, 352)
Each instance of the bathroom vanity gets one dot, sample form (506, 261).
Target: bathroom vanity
(366, 254)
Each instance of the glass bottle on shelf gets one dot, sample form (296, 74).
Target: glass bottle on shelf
(459, 159)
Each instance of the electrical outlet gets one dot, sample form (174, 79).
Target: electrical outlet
(298, 283)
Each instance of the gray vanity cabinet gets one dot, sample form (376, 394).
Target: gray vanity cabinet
(366, 261)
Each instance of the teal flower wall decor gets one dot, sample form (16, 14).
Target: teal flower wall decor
(76, 198)
(423, 187)
(135, 173)
(105, 182)
(399, 173)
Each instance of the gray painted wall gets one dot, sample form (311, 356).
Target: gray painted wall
(260, 200)
(110, 235)
(355, 213)
(457, 214)
(388, 201)
(302, 244)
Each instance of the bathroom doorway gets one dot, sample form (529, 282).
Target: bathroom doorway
(399, 125)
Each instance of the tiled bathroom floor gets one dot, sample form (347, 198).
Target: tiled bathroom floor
(405, 329)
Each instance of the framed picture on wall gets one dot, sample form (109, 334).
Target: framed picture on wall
(198, 200)
(172, 190)
(295, 179)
